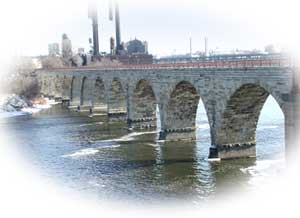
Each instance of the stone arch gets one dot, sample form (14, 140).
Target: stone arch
(181, 112)
(99, 93)
(264, 85)
(238, 124)
(173, 85)
(143, 100)
(117, 97)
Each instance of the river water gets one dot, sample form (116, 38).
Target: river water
(101, 158)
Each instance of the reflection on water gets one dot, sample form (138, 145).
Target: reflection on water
(102, 158)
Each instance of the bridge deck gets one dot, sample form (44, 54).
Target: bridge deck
(260, 62)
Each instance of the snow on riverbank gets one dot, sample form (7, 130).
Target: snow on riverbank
(14, 105)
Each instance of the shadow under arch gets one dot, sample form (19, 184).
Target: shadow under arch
(236, 135)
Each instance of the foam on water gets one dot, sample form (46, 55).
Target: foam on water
(93, 151)
(264, 170)
(129, 137)
(31, 110)
(89, 151)
(83, 152)
(91, 124)
(4, 114)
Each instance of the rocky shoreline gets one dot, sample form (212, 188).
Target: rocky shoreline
(13, 103)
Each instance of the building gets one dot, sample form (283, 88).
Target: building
(53, 49)
(136, 47)
(66, 47)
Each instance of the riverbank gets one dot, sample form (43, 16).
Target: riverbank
(12, 105)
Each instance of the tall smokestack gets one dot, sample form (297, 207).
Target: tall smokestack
(93, 14)
(118, 31)
(110, 11)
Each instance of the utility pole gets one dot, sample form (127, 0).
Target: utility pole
(191, 49)
(206, 47)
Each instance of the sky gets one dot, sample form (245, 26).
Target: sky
(28, 26)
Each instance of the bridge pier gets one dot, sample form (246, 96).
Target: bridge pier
(143, 123)
(173, 129)
(232, 151)
(141, 106)
(292, 127)
(187, 134)
(65, 102)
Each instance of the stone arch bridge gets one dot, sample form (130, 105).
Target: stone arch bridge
(233, 97)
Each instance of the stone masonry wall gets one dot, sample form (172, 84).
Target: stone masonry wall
(233, 99)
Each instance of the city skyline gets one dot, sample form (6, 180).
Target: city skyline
(167, 27)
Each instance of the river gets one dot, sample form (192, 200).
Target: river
(99, 157)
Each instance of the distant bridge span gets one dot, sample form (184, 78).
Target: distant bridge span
(233, 93)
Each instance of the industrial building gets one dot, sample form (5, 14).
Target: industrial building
(133, 52)
(136, 47)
